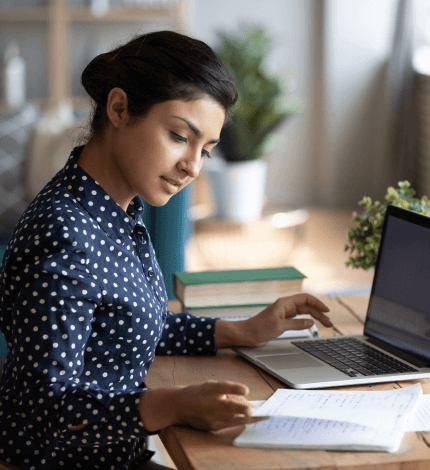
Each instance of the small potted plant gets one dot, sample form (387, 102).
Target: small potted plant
(365, 238)
(238, 180)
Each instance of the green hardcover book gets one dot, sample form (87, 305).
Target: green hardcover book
(237, 287)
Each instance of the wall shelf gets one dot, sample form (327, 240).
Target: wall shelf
(84, 14)
(58, 18)
(131, 14)
(18, 15)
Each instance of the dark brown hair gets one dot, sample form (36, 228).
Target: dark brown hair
(157, 67)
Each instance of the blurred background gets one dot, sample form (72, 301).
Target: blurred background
(353, 106)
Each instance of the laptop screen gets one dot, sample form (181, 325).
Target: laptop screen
(399, 306)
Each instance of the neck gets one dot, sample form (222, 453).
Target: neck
(97, 161)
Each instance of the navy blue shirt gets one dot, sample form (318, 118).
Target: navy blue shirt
(83, 309)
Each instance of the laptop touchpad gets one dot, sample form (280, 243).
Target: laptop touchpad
(288, 361)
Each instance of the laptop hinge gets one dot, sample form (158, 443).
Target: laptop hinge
(396, 352)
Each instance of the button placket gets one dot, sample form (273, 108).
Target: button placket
(143, 249)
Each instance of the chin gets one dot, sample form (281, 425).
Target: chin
(161, 204)
(156, 202)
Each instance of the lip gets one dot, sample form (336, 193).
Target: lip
(173, 181)
(170, 185)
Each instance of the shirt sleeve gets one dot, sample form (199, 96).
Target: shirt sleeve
(185, 333)
(54, 297)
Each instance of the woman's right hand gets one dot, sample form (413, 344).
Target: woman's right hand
(209, 406)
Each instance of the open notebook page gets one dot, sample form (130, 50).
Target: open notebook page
(306, 433)
(419, 421)
(379, 409)
(317, 432)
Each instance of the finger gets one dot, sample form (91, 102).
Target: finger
(234, 403)
(324, 319)
(316, 303)
(252, 420)
(227, 388)
(317, 314)
(233, 407)
(296, 324)
(307, 299)
(237, 422)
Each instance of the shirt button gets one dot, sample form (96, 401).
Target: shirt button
(150, 273)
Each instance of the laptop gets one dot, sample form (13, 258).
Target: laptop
(395, 344)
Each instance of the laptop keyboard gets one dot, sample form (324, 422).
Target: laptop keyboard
(353, 357)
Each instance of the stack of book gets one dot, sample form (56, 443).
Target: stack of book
(237, 294)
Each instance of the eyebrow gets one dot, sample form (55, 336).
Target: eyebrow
(196, 131)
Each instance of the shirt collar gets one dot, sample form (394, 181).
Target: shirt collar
(96, 201)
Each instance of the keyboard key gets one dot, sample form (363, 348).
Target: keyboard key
(349, 355)
(363, 371)
(350, 373)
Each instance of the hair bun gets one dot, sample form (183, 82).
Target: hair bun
(99, 77)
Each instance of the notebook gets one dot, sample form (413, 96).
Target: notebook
(395, 344)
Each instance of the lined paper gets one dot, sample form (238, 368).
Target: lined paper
(380, 409)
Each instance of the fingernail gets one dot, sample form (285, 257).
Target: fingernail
(308, 323)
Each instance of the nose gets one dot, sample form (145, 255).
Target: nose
(192, 163)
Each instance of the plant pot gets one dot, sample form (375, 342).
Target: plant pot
(238, 188)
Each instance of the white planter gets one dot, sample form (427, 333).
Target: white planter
(238, 188)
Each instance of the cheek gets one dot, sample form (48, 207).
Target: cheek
(155, 149)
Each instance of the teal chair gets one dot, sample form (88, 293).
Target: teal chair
(3, 344)
(170, 228)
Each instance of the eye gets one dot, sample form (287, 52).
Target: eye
(178, 138)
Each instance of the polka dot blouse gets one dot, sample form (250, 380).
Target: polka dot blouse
(83, 309)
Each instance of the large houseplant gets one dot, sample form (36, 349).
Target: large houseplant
(365, 238)
(262, 105)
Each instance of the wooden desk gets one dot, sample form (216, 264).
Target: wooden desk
(196, 450)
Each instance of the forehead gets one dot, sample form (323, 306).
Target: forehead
(205, 113)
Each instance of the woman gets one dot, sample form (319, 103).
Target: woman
(83, 302)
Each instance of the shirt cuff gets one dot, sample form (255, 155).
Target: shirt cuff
(185, 333)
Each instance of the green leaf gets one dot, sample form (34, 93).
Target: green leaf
(365, 238)
(263, 100)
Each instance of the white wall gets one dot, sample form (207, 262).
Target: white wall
(358, 40)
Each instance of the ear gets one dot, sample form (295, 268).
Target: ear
(116, 107)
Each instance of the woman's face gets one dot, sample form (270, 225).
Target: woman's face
(165, 150)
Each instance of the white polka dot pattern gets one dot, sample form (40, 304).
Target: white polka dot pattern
(83, 309)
